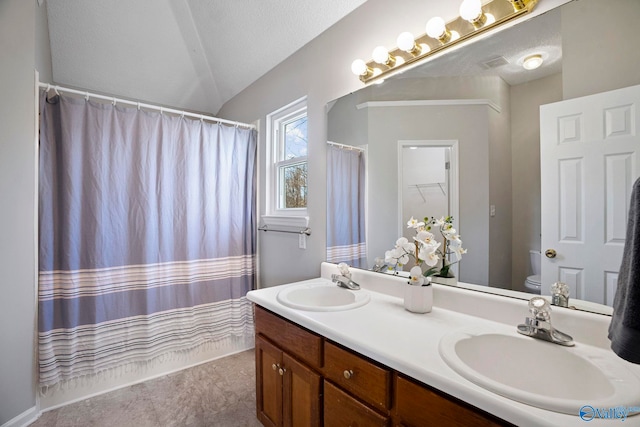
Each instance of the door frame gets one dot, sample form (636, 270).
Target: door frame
(454, 178)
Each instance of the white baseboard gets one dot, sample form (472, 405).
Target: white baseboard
(24, 419)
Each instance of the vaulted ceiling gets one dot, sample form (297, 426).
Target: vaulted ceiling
(190, 54)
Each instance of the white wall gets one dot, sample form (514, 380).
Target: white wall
(17, 215)
(599, 46)
(525, 136)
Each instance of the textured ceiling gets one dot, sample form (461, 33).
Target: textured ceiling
(539, 35)
(190, 54)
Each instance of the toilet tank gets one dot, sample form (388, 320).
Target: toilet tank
(535, 261)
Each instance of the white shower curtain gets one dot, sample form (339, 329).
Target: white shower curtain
(147, 236)
(345, 206)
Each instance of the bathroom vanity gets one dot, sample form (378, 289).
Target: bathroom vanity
(378, 364)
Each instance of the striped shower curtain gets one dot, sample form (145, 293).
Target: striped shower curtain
(345, 206)
(146, 236)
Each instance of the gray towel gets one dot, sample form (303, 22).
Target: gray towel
(624, 330)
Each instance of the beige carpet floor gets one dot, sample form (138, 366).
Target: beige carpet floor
(219, 393)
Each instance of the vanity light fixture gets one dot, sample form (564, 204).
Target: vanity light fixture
(475, 18)
(381, 56)
(437, 29)
(471, 11)
(532, 62)
(407, 43)
(360, 68)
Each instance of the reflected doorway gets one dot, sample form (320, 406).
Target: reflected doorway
(428, 183)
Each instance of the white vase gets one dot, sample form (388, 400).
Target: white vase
(418, 299)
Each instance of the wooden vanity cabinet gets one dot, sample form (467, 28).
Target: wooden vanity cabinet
(288, 391)
(417, 405)
(302, 379)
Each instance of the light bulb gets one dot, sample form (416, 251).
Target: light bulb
(359, 67)
(380, 55)
(532, 62)
(470, 10)
(436, 27)
(406, 41)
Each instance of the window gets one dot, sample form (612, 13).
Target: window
(287, 163)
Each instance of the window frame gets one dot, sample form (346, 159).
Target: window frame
(276, 122)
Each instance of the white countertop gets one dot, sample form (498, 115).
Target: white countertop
(408, 343)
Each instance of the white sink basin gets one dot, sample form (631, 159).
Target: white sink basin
(541, 374)
(321, 295)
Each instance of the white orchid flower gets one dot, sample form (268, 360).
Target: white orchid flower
(415, 276)
(389, 258)
(424, 237)
(448, 232)
(439, 222)
(454, 240)
(414, 223)
(403, 259)
(459, 251)
(430, 258)
(401, 242)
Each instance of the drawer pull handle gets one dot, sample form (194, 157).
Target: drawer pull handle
(281, 371)
(348, 374)
(274, 367)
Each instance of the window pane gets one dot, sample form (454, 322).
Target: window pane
(293, 180)
(295, 138)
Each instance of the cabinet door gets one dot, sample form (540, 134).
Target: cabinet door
(340, 409)
(268, 383)
(301, 398)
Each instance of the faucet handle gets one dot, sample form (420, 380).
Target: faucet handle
(560, 294)
(540, 308)
(344, 269)
(560, 288)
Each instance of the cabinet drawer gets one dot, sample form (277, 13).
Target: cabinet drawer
(418, 406)
(295, 340)
(365, 379)
(340, 409)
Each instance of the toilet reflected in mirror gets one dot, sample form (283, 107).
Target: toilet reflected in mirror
(532, 284)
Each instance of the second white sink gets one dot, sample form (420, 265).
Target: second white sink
(540, 373)
(321, 295)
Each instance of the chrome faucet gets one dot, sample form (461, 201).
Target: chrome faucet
(539, 325)
(344, 282)
(560, 294)
(344, 278)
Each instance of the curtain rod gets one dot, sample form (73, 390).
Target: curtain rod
(348, 147)
(115, 100)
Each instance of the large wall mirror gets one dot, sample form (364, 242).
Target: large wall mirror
(480, 99)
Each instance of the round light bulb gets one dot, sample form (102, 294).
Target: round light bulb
(436, 27)
(470, 9)
(532, 62)
(406, 41)
(359, 67)
(380, 55)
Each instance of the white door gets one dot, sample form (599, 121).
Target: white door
(589, 162)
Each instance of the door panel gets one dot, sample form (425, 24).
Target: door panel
(589, 161)
(268, 383)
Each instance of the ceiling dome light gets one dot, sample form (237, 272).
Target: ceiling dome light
(532, 62)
